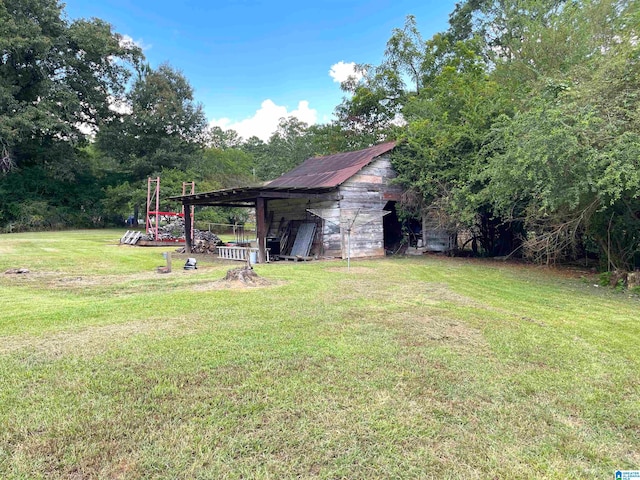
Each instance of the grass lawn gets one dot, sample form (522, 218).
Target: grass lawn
(401, 368)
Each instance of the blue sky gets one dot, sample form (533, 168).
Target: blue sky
(254, 61)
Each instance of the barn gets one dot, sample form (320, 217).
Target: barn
(329, 206)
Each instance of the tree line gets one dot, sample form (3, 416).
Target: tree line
(84, 120)
(518, 124)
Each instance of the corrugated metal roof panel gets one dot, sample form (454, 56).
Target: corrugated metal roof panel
(332, 170)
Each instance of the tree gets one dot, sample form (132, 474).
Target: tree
(448, 122)
(523, 119)
(287, 148)
(565, 162)
(216, 137)
(229, 167)
(57, 82)
(164, 129)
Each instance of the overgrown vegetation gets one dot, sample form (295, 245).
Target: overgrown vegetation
(478, 370)
(522, 117)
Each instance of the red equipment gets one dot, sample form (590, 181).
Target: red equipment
(153, 196)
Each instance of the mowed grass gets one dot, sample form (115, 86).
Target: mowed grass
(401, 368)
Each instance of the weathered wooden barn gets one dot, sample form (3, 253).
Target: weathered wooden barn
(334, 204)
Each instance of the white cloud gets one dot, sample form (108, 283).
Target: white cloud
(265, 121)
(340, 72)
(119, 105)
(128, 41)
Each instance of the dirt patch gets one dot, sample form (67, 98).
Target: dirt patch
(17, 271)
(351, 270)
(235, 285)
(61, 280)
(429, 330)
(90, 341)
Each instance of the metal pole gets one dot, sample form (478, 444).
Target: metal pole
(148, 222)
(157, 207)
(348, 249)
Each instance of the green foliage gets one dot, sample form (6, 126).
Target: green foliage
(222, 168)
(55, 77)
(57, 81)
(287, 148)
(522, 120)
(164, 129)
(604, 279)
(224, 215)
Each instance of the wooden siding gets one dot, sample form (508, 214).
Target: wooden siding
(369, 189)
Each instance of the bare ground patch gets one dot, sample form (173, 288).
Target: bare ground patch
(353, 270)
(62, 280)
(197, 280)
(423, 330)
(235, 285)
(93, 340)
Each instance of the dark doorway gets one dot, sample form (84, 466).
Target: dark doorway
(392, 228)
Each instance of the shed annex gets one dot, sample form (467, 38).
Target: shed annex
(336, 184)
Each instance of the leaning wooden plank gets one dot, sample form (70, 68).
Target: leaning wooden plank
(304, 239)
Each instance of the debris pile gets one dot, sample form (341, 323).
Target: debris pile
(168, 232)
(203, 240)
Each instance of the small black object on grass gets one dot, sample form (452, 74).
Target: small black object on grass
(18, 271)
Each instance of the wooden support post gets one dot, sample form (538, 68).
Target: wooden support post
(157, 229)
(261, 229)
(188, 234)
(168, 256)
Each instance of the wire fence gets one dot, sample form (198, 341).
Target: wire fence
(242, 232)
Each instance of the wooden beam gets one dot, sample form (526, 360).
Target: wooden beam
(226, 199)
(188, 234)
(311, 196)
(261, 229)
(227, 203)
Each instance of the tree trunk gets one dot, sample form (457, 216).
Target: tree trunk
(136, 213)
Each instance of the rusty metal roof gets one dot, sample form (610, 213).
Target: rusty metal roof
(315, 178)
(330, 171)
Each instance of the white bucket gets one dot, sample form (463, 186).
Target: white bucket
(253, 257)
